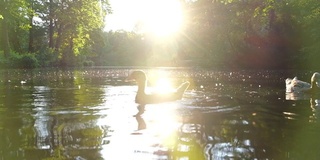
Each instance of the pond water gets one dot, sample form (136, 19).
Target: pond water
(90, 114)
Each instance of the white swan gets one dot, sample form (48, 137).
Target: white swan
(297, 86)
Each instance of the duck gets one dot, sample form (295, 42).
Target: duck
(297, 86)
(144, 98)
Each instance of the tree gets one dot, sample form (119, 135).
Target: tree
(250, 33)
(306, 15)
(73, 21)
(14, 13)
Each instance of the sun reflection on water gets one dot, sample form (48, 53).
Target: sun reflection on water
(127, 141)
(148, 136)
(162, 122)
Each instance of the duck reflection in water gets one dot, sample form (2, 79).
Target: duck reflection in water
(315, 106)
(141, 123)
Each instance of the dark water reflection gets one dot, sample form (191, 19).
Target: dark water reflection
(91, 114)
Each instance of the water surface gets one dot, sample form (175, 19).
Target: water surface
(91, 114)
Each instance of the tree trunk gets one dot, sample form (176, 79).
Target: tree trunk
(5, 37)
(4, 33)
(31, 48)
(51, 24)
(58, 39)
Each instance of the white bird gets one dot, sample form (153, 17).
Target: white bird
(297, 86)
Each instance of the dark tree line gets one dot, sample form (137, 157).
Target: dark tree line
(219, 33)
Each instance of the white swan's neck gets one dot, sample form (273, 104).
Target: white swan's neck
(314, 80)
(313, 84)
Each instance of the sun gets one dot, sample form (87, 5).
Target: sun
(161, 17)
(157, 17)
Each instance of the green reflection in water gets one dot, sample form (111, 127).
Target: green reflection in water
(42, 114)
(69, 114)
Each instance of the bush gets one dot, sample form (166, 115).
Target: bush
(47, 58)
(88, 63)
(3, 61)
(27, 60)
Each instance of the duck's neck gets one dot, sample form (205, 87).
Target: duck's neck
(142, 87)
(313, 85)
(314, 80)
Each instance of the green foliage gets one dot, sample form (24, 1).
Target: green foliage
(118, 48)
(218, 33)
(3, 61)
(15, 60)
(74, 22)
(27, 60)
(47, 58)
(88, 63)
(254, 33)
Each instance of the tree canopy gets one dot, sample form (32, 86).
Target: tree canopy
(221, 33)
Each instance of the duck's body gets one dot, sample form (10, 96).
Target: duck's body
(297, 86)
(143, 98)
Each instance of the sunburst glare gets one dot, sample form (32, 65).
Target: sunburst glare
(157, 17)
(163, 85)
(162, 17)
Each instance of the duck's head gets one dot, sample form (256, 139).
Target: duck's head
(138, 76)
